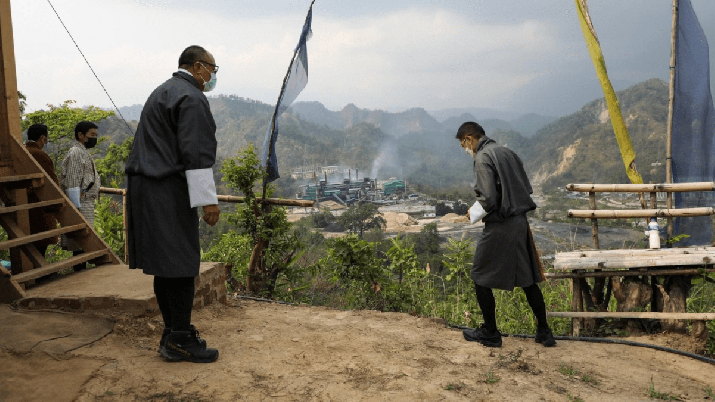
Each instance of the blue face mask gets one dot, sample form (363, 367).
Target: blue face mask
(211, 83)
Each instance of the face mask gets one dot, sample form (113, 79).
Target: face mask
(91, 142)
(469, 152)
(211, 83)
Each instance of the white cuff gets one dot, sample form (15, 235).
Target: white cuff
(202, 189)
(476, 212)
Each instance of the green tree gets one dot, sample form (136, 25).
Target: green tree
(23, 102)
(61, 121)
(275, 249)
(111, 167)
(359, 218)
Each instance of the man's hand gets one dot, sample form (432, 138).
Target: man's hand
(211, 214)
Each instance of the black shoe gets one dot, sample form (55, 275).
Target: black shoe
(167, 331)
(186, 345)
(483, 336)
(545, 337)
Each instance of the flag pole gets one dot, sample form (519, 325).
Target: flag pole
(278, 102)
(669, 130)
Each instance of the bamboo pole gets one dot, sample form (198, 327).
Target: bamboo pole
(647, 272)
(671, 103)
(272, 201)
(631, 315)
(642, 188)
(640, 213)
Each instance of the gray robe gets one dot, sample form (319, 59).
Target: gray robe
(505, 257)
(176, 133)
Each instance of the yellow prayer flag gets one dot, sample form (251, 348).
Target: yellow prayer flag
(614, 109)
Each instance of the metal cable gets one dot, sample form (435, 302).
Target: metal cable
(91, 69)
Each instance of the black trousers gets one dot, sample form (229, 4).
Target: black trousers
(485, 298)
(175, 297)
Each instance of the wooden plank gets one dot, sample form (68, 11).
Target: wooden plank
(637, 251)
(632, 315)
(639, 213)
(39, 236)
(21, 177)
(9, 102)
(10, 290)
(5, 272)
(636, 262)
(638, 272)
(642, 188)
(32, 205)
(58, 266)
(112, 190)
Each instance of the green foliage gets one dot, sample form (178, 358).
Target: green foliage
(109, 223)
(359, 218)
(61, 121)
(323, 218)
(491, 378)
(666, 396)
(22, 99)
(111, 167)
(277, 248)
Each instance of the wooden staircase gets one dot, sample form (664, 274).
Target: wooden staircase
(19, 174)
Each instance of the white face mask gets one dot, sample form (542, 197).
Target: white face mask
(469, 152)
(211, 83)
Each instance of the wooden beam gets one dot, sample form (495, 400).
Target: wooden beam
(272, 201)
(639, 213)
(642, 188)
(39, 236)
(639, 272)
(9, 104)
(631, 315)
(32, 205)
(58, 266)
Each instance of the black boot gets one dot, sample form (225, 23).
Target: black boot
(186, 345)
(483, 336)
(545, 337)
(167, 331)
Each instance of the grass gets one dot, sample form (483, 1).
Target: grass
(491, 378)
(665, 396)
(568, 370)
(574, 398)
(454, 387)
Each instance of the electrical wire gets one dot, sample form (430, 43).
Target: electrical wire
(558, 337)
(91, 69)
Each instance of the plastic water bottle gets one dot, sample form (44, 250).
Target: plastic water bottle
(653, 233)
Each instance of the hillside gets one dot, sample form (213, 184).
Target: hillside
(421, 149)
(278, 352)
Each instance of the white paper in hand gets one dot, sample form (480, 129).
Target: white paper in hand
(73, 194)
(476, 212)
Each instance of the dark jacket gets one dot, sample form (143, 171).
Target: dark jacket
(40, 221)
(505, 257)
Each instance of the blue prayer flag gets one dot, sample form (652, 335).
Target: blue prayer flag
(294, 82)
(693, 124)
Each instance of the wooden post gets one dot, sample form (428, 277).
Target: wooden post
(594, 221)
(126, 233)
(669, 130)
(10, 125)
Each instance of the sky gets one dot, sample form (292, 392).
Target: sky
(522, 56)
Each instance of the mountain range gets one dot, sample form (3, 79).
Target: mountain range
(419, 146)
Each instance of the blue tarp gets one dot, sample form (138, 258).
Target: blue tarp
(693, 125)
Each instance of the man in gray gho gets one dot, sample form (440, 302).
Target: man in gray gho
(505, 257)
(169, 175)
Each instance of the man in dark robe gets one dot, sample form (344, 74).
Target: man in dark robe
(169, 176)
(505, 257)
(41, 220)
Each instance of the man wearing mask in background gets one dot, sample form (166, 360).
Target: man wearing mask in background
(80, 180)
(506, 255)
(40, 220)
(169, 175)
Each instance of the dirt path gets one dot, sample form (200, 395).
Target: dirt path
(275, 352)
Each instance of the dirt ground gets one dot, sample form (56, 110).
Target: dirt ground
(278, 352)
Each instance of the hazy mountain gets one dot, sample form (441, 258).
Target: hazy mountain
(413, 145)
(477, 112)
(131, 112)
(529, 124)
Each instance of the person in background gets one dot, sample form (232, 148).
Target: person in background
(80, 180)
(170, 175)
(40, 219)
(506, 256)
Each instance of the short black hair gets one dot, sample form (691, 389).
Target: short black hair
(191, 55)
(471, 129)
(36, 131)
(83, 127)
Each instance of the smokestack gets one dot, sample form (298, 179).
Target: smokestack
(349, 177)
(357, 177)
